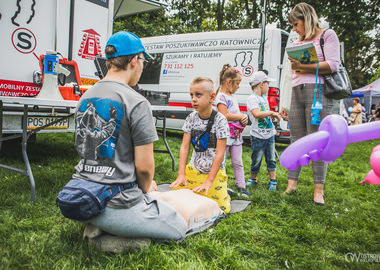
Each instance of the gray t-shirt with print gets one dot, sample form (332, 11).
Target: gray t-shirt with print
(111, 119)
(261, 128)
(194, 125)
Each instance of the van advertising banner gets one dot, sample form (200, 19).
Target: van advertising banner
(183, 67)
(204, 44)
(180, 58)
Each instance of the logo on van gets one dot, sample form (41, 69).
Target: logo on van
(90, 45)
(247, 71)
(25, 10)
(24, 40)
(243, 60)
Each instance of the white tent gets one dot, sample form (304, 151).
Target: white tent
(373, 89)
(368, 95)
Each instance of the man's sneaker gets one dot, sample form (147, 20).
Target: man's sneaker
(251, 182)
(243, 192)
(272, 185)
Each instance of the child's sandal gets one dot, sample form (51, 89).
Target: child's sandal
(272, 185)
(251, 182)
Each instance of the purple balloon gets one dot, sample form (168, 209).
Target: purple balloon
(294, 152)
(338, 134)
(314, 155)
(304, 160)
(328, 143)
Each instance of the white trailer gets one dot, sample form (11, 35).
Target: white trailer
(77, 29)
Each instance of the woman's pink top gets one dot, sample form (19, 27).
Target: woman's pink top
(332, 55)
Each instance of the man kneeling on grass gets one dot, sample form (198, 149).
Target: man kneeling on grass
(115, 132)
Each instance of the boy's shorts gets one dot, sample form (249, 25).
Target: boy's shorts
(218, 190)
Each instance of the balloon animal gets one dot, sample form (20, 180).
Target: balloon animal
(373, 177)
(330, 142)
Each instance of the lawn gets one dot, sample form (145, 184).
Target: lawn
(274, 232)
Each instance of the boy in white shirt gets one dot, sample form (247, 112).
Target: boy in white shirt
(262, 129)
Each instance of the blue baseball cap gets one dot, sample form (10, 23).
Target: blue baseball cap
(126, 43)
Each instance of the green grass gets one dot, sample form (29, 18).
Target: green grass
(275, 232)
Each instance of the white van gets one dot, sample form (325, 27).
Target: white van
(180, 58)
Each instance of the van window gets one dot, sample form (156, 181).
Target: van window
(151, 73)
(284, 40)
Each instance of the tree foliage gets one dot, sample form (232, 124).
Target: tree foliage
(356, 22)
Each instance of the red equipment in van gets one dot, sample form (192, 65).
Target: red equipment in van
(76, 89)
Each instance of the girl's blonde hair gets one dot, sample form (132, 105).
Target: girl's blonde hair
(228, 72)
(307, 14)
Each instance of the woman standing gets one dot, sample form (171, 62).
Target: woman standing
(356, 112)
(304, 20)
